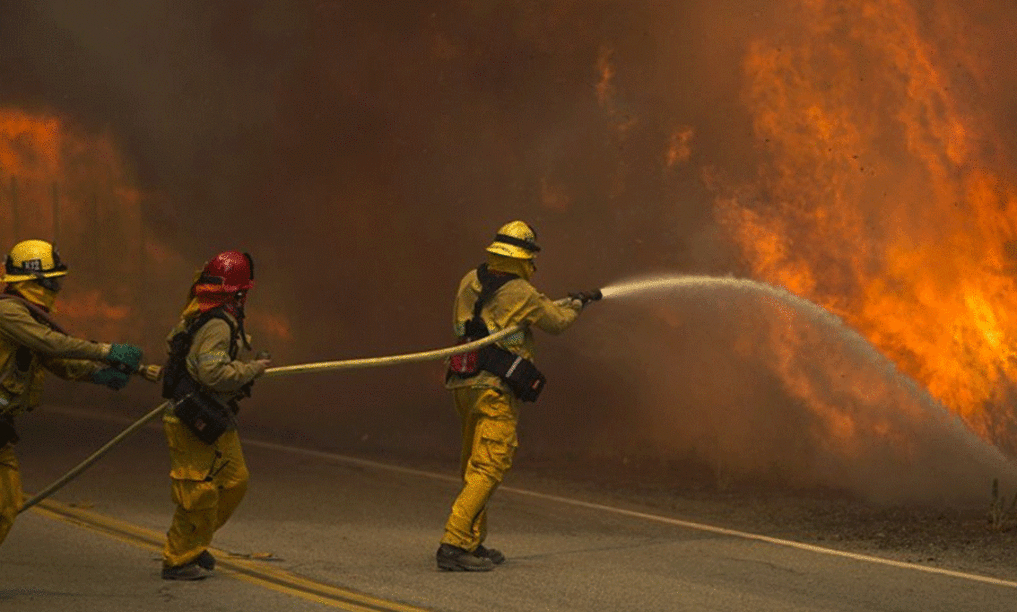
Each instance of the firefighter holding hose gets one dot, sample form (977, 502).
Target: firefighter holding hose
(32, 343)
(205, 379)
(489, 384)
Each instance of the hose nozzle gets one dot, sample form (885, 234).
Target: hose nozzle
(587, 296)
(151, 373)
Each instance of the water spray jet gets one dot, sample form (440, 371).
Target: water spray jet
(977, 450)
(780, 382)
(660, 284)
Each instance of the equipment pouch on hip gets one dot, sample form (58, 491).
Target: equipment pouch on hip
(464, 364)
(518, 373)
(204, 416)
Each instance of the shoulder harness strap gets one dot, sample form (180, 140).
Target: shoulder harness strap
(37, 313)
(205, 317)
(490, 283)
(176, 380)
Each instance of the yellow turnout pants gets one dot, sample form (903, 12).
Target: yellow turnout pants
(489, 417)
(11, 496)
(209, 480)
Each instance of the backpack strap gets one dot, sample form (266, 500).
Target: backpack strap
(519, 374)
(176, 380)
(205, 317)
(37, 313)
(490, 283)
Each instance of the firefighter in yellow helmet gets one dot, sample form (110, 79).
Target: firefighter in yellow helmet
(205, 379)
(488, 385)
(31, 343)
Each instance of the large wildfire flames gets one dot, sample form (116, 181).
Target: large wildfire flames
(877, 189)
(879, 197)
(60, 184)
(67, 187)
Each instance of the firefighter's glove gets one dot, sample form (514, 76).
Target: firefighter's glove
(124, 357)
(110, 377)
(585, 297)
(262, 360)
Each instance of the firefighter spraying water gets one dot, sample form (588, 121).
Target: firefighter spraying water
(489, 384)
(912, 404)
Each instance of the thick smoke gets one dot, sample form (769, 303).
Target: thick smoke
(366, 155)
(763, 386)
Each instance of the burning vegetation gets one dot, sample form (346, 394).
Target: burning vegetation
(885, 197)
(71, 188)
(62, 184)
(853, 153)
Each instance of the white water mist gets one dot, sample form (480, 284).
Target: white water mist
(911, 446)
(664, 284)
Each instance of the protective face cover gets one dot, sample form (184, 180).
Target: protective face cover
(523, 268)
(35, 293)
(32, 259)
(516, 239)
(223, 282)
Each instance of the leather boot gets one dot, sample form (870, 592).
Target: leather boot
(454, 559)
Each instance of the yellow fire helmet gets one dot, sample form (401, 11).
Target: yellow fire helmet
(515, 239)
(32, 260)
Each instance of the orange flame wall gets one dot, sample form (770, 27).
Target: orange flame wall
(882, 196)
(71, 188)
(59, 183)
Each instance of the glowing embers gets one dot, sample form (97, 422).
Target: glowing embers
(877, 197)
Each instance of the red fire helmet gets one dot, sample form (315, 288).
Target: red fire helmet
(231, 269)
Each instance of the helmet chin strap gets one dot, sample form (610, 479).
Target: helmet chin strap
(236, 308)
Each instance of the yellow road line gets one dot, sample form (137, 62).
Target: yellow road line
(657, 518)
(247, 570)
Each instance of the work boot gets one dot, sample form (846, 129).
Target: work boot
(187, 571)
(490, 553)
(206, 560)
(454, 559)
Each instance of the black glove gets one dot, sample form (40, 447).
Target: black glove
(587, 296)
(124, 357)
(111, 377)
(245, 391)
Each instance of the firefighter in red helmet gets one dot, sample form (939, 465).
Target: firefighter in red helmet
(204, 378)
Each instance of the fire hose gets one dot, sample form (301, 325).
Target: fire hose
(325, 366)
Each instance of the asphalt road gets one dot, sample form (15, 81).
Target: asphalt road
(319, 531)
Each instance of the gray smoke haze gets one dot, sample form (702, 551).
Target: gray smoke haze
(761, 384)
(365, 156)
